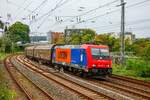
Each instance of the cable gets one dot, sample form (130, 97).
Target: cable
(130, 23)
(49, 13)
(42, 16)
(43, 2)
(113, 30)
(23, 9)
(130, 6)
(57, 6)
(19, 6)
(107, 4)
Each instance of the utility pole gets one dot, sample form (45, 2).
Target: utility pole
(122, 31)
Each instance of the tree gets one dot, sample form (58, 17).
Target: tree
(106, 39)
(88, 36)
(19, 32)
(1, 24)
(146, 53)
(15, 33)
(140, 46)
(85, 36)
(5, 29)
(75, 38)
(61, 41)
(6, 44)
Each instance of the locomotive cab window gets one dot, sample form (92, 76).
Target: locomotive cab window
(98, 53)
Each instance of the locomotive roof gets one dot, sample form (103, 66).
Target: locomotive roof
(95, 46)
(69, 46)
(82, 46)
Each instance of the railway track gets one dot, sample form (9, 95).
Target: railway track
(136, 92)
(110, 86)
(8, 64)
(140, 88)
(124, 89)
(72, 86)
(140, 82)
(26, 85)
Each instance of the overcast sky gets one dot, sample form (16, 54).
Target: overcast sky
(55, 15)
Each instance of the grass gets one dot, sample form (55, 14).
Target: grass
(134, 68)
(3, 55)
(5, 92)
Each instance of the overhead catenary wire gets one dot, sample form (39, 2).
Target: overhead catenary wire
(22, 4)
(118, 29)
(127, 23)
(136, 22)
(110, 12)
(19, 6)
(130, 6)
(23, 9)
(46, 14)
(92, 10)
(38, 7)
(49, 13)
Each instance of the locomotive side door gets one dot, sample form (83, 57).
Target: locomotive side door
(83, 58)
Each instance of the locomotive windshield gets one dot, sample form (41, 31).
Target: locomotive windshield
(100, 53)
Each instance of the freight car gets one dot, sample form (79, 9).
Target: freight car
(87, 59)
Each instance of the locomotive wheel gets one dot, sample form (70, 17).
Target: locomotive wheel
(56, 68)
(84, 75)
(61, 69)
(74, 71)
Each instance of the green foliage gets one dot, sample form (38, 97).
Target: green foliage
(133, 67)
(141, 67)
(5, 45)
(121, 70)
(106, 39)
(146, 53)
(61, 41)
(1, 24)
(140, 47)
(2, 55)
(87, 36)
(5, 93)
(15, 33)
(75, 38)
(19, 32)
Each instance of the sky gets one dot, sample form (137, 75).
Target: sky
(55, 15)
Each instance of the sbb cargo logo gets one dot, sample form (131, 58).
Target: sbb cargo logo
(63, 55)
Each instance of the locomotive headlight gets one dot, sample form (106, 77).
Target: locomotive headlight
(94, 65)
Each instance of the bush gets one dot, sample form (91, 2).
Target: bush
(141, 67)
(144, 71)
(133, 64)
(5, 93)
